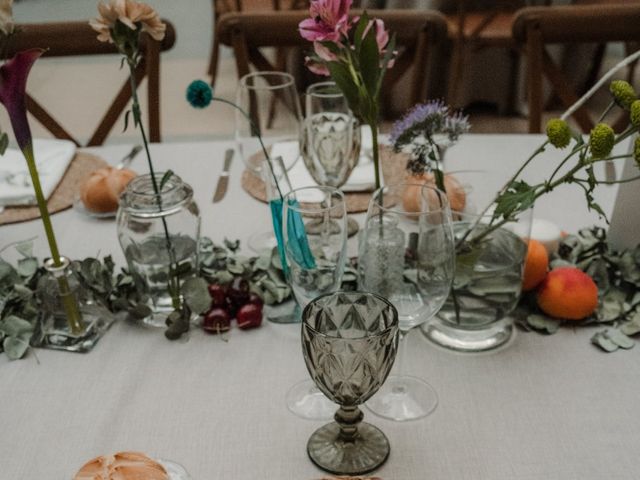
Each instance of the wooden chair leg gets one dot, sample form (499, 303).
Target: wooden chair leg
(456, 71)
(213, 62)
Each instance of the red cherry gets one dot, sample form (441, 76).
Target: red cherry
(218, 294)
(249, 316)
(216, 320)
(255, 299)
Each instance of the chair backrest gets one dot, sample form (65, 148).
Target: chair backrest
(65, 39)
(535, 28)
(416, 32)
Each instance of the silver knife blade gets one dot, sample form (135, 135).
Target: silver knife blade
(223, 181)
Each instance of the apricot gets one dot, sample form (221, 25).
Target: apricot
(568, 293)
(535, 266)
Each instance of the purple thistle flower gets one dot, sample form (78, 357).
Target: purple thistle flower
(425, 118)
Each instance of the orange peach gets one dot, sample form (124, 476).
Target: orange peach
(568, 293)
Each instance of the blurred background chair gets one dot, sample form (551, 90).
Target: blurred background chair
(417, 33)
(536, 28)
(220, 7)
(65, 39)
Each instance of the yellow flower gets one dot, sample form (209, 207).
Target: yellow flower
(558, 132)
(636, 151)
(635, 114)
(601, 140)
(130, 13)
(623, 93)
(6, 17)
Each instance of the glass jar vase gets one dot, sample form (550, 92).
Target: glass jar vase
(486, 286)
(159, 235)
(69, 318)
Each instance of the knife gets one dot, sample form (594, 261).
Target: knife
(223, 181)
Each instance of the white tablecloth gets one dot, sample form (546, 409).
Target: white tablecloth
(546, 407)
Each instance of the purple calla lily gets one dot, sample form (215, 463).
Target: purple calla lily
(13, 84)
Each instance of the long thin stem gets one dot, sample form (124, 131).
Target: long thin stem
(174, 282)
(376, 154)
(69, 301)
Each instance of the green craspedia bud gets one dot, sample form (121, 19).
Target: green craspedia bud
(558, 132)
(635, 114)
(601, 140)
(636, 151)
(623, 93)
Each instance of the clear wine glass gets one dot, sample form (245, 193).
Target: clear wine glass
(271, 101)
(315, 242)
(330, 138)
(407, 256)
(349, 343)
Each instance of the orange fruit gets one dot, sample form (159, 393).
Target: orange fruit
(569, 293)
(535, 266)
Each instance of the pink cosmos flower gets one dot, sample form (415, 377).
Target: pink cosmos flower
(329, 19)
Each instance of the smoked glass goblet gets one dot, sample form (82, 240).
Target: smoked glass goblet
(349, 343)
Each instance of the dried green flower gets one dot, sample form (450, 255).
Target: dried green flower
(601, 140)
(636, 151)
(623, 93)
(635, 114)
(558, 132)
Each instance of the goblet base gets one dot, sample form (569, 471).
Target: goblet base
(403, 398)
(495, 335)
(368, 451)
(305, 400)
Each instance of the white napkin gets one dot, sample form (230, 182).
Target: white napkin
(52, 159)
(362, 177)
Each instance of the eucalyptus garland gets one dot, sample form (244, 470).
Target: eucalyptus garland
(617, 276)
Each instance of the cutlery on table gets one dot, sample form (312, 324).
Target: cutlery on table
(223, 181)
(128, 158)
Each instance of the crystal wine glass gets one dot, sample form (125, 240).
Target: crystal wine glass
(349, 343)
(315, 242)
(271, 102)
(330, 138)
(407, 256)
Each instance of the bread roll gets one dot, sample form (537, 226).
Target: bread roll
(455, 193)
(122, 466)
(101, 191)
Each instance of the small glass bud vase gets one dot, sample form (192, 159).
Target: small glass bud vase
(159, 235)
(69, 319)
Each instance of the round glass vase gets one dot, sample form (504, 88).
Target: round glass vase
(486, 286)
(69, 319)
(159, 235)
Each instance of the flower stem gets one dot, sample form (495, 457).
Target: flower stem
(174, 281)
(376, 154)
(74, 318)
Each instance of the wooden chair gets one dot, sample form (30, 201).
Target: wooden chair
(535, 28)
(220, 7)
(477, 25)
(416, 32)
(78, 38)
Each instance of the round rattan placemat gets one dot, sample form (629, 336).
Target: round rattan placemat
(393, 171)
(62, 197)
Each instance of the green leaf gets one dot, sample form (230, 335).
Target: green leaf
(518, 197)
(388, 55)
(611, 339)
(25, 249)
(370, 62)
(632, 327)
(196, 294)
(544, 323)
(341, 75)
(15, 347)
(126, 120)
(232, 245)
(165, 178)
(14, 326)
(27, 267)
(359, 30)
(4, 142)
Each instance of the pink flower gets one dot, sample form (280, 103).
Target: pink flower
(316, 67)
(130, 13)
(323, 52)
(382, 35)
(329, 19)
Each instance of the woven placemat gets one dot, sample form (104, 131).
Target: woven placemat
(62, 197)
(393, 171)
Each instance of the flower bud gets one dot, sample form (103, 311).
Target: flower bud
(623, 93)
(635, 114)
(558, 132)
(601, 140)
(199, 94)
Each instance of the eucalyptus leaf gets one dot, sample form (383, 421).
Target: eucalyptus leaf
(544, 323)
(611, 339)
(604, 342)
(15, 347)
(264, 261)
(25, 249)
(27, 266)
(196, 294)
(632, 327)
(14, 326)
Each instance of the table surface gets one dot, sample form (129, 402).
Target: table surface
(546, 407)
